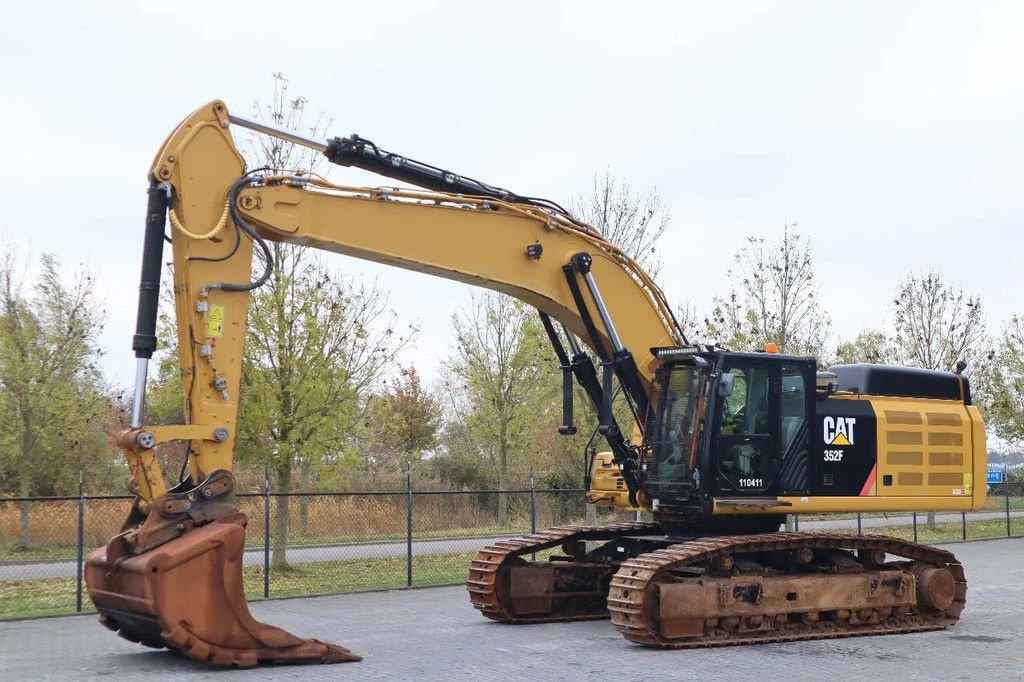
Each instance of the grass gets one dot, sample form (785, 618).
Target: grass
(306, 539)
(358, 575)
(951, 532)
(12, 552)
(46, 597)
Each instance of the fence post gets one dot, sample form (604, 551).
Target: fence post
(915, 526)
(408, 526)
(796, 523)
(533, 506)
(266, 532)
(963, 525)
(533, 511)
(858, 525)
(81, 543)
(1006, 489)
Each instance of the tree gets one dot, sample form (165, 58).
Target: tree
(728, 323)
(688, 318)
(870, 345)
(51, 398)
(402, 424)
(936, 326)
(498, 366)
(773, 297)
(633, 222)
(1001, 385)
(289, 113)
(316, 344)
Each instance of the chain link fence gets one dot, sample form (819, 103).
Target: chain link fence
(326, 543)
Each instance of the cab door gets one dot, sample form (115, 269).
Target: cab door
(746, 434)
(760, 430)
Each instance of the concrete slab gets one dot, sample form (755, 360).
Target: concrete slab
(434, 634)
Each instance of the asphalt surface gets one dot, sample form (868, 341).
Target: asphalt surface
(307, 555)
(434, 634)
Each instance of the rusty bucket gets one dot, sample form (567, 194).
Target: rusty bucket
(187, 595)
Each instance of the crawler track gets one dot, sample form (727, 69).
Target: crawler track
(636, 612)
(488, 581)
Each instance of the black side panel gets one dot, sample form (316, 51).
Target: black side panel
(843, 447)
(899, 381)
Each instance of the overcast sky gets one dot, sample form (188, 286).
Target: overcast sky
(891, 132)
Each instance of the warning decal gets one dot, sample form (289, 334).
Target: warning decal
(215, 325)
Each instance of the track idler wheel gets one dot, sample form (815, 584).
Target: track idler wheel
(936, 588)
(187, 595)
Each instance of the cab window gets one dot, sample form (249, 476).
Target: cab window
(794, 413)
(746, 447)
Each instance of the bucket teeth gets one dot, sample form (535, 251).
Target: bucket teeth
(187, 595)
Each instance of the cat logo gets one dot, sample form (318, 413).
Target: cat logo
(839, 430)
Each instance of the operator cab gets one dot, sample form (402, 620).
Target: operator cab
(728, 424)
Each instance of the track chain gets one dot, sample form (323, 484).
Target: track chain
(627, 599)
(485, 570)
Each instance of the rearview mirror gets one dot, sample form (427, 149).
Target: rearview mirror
(726, 383)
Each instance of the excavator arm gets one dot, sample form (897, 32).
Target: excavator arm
(457, 228)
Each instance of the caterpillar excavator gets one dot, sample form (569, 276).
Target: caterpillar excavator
(723, 443)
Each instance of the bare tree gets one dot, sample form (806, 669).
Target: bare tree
(689, 319)
(633, 222)
(936, 325)
(290, 113)
(773, 297)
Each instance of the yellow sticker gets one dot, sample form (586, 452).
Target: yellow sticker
(968, 481)
(215, 326)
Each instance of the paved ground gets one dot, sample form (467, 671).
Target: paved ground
(433, 634)
(305, 555)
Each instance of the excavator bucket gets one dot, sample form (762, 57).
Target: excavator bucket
(187, 595)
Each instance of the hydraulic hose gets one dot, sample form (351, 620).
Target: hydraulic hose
(240, 222)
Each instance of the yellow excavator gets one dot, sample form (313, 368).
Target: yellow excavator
(723, 443)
